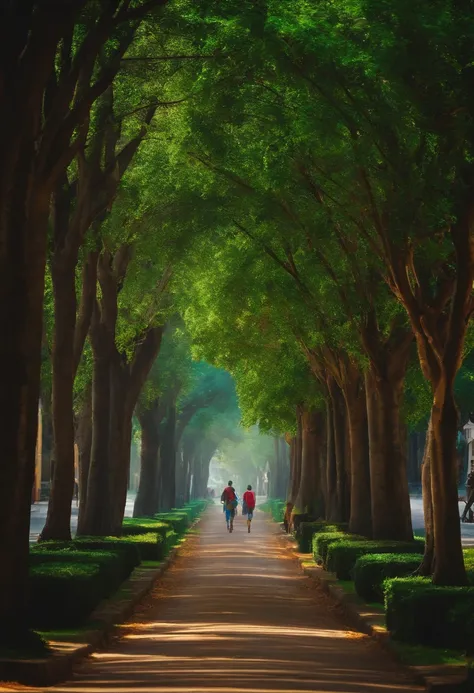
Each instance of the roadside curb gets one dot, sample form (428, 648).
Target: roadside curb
(367, 619)
(107, 619)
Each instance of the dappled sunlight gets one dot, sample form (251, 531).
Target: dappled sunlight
(232, 616)
(236, 628)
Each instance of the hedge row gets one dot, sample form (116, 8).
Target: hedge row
(276, 507)
(385, 571)
(371, 571)
(306, 530)
(69, 579)
(420, 612)
(343, 555)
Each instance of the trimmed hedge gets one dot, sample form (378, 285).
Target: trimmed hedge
(276, 507)
(176, 519)
(63, 594)
(323, 540)
(127, 550)
(109, 562)
(342, 555)
(418, 611)
(144, 525)
(371, 570)
(171, 540)
(305, 532)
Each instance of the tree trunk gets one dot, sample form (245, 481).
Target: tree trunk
(98, 509)
(360, 521)
(145, 502)
(449, 563)
(390, 500)
(331, 466)
(58, 520)
(168, 461)
(84, 443)
(309, 500)
(340, 511)
(22, 265)
(427, 565)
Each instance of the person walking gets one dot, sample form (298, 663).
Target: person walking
(469, 498)
(250, 502)
(230, 501)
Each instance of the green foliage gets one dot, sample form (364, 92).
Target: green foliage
(306, 530)
(110, 563)
(323, 540)
(275, 507)
(127, 550)
(143, 525)
(419, 612)
(371, 570)
(179, 521)
(342, 555)
(63, 594)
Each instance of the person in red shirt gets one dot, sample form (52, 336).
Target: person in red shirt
(230, 500)
(249, 501)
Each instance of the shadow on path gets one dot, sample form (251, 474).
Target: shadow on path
(235, 613)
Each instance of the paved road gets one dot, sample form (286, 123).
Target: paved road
(467, 529)
(39, 511)
(235, 613)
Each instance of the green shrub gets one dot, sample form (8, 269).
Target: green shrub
(151, 546)
(323, 540)
(194, 508)
(342, 556)
(127, 550)
(144, 525)
(177, 520)
(276, 507)
(171, 540)
(108, 561)
(469, 563)
(63, 594)
(371, 570)
(305, 532)
(418, 611)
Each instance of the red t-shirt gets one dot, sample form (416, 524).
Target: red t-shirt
(228, 494)
(249, 499)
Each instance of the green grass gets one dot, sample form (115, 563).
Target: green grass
(150, 564)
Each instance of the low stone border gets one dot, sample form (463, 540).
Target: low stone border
(368, 619)
(107, 619)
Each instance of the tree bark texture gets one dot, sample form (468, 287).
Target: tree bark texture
(360, 520)
(99, 503)
(331, 465)
(58, 520)
(168, 461)
(84, 444)
(340, 511)
(390, 501)
(309, 500)
(146, 500)
(427, 565)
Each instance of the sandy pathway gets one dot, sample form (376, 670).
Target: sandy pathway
(235, 614)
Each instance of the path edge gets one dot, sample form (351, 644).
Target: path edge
(436, 679)
(109, 615)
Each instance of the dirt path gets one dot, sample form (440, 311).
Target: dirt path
(236, 614)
